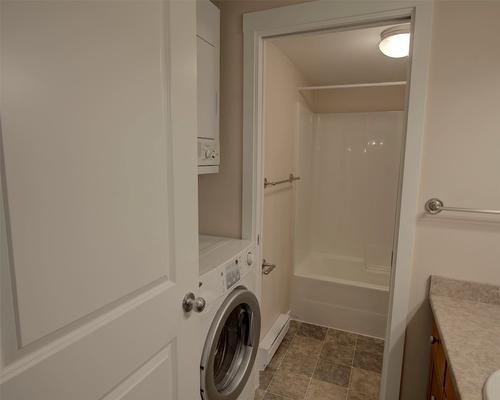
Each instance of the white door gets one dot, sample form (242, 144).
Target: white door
(99, 213)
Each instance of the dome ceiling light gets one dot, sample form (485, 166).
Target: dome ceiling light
(395, 41)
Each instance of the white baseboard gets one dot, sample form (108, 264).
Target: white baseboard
(270, 343)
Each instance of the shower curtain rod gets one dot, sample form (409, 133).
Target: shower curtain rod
(353, 85)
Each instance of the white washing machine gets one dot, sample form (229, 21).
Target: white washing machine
(230, 329)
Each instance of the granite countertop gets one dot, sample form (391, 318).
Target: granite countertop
(467, 316)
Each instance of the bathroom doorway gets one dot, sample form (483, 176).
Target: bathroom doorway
(334, 110)
(335, 226)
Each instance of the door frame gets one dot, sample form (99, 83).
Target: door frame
(323, 15)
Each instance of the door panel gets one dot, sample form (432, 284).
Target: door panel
(108, 354)
(90, 161)
(157, 383)
(99, 221)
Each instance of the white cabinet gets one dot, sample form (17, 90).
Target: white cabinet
(208, 56)
(208, 75)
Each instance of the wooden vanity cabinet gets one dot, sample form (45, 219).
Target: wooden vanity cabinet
(440, 383)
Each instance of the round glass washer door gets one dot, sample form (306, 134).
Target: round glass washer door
(231, 346)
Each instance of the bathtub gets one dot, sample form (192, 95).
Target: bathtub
(340, 292)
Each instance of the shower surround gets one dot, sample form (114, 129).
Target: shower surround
(345, 214)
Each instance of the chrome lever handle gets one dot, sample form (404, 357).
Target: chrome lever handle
(267, 268)
(190, 301)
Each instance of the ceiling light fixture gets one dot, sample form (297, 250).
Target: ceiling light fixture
(395, 41)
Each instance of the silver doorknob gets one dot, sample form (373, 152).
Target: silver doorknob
(190, 301)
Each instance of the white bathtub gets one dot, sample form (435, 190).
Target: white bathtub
(342, 293)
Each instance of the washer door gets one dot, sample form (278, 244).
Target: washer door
(231, 347)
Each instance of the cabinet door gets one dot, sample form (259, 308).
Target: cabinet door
(208, 92)
(99, 221)
(436, 392)
(449, 387)
(438, 357)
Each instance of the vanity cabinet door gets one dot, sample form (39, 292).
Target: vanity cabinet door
(436, 388)
(441, 386)
(438, 357)
(449, 388)
(438, 367)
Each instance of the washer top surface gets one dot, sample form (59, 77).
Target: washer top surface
(208, 243)
(216, 250)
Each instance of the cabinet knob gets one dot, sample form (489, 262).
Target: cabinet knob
(434, 339)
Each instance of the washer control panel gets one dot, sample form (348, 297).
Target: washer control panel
(233, 273)
(208, 152)
(250, 258)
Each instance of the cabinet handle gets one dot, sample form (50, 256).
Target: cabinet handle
(434, 339)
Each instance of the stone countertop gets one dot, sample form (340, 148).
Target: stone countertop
(467, 316)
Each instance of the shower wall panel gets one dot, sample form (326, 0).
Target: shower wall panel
(347, 200)
(304, 162)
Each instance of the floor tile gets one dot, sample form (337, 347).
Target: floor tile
(288, 338)
(289, 384)
(320, 390)
(329, 372)
(265, 378)
(366, 382)
(292, 331)
(371, 345)
(340, 337)
(328, 355)
(313, 331)
(306, 345)
(294, 325)
(299, 362)
(367, 360)
(271, 396)
(361, 396)
(338, 354)
(278, 357)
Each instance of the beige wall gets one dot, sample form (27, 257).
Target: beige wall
(461, 165)
(280, 125)
(219, 194)
(461, 159)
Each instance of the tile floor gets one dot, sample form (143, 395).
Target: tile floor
(318, 363)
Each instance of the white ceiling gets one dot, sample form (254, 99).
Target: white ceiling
(342, 57)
